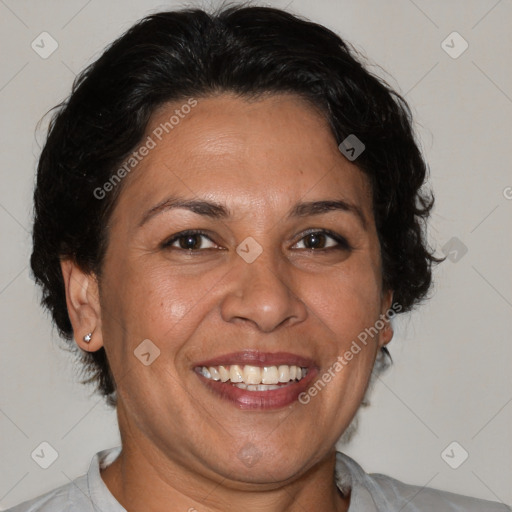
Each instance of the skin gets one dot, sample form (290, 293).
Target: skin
(181, 443)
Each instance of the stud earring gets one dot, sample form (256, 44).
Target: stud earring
(88, 337)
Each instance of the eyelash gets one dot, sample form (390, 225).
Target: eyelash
(342, 243)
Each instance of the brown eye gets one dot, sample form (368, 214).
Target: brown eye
(189, 241)
(315, 241)
(322, 240)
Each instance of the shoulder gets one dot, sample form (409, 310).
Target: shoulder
(389, 494)
(87, 493)
(68, 497)
(416, 498)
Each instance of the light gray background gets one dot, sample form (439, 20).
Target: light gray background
(451, 380)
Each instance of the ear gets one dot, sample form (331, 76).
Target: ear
(386, 333)
(82, 299)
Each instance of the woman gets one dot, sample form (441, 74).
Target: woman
(228, 215)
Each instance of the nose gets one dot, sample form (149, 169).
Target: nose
(262, 294)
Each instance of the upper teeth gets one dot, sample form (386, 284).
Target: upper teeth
(254, 374)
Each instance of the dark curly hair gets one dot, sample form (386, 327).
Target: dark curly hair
(249, 51)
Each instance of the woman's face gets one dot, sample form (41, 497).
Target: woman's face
(257, 289)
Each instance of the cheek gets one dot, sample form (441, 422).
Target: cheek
(150, 303)
(158, 302)
(346, 300)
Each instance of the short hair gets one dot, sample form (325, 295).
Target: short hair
(249, 51)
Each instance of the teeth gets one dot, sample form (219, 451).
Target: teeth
(235, 374)
(284, 373)
(224, 374)
(214, 373)
(252, 374)
(256, 387)
(269, 375)
(255, 378)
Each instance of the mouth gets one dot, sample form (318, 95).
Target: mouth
(257, 380)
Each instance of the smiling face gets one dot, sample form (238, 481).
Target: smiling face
(283, 272)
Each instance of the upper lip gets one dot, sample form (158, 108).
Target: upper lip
(258, 358)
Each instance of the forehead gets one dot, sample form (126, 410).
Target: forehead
(271, 151)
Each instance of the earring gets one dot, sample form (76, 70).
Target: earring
(87, 337)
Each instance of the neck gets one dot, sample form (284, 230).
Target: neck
(143, 478)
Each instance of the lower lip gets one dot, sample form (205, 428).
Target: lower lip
(273, 399)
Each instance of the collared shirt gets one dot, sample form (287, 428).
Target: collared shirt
(368, 493)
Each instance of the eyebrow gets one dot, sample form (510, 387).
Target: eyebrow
(215, 210)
